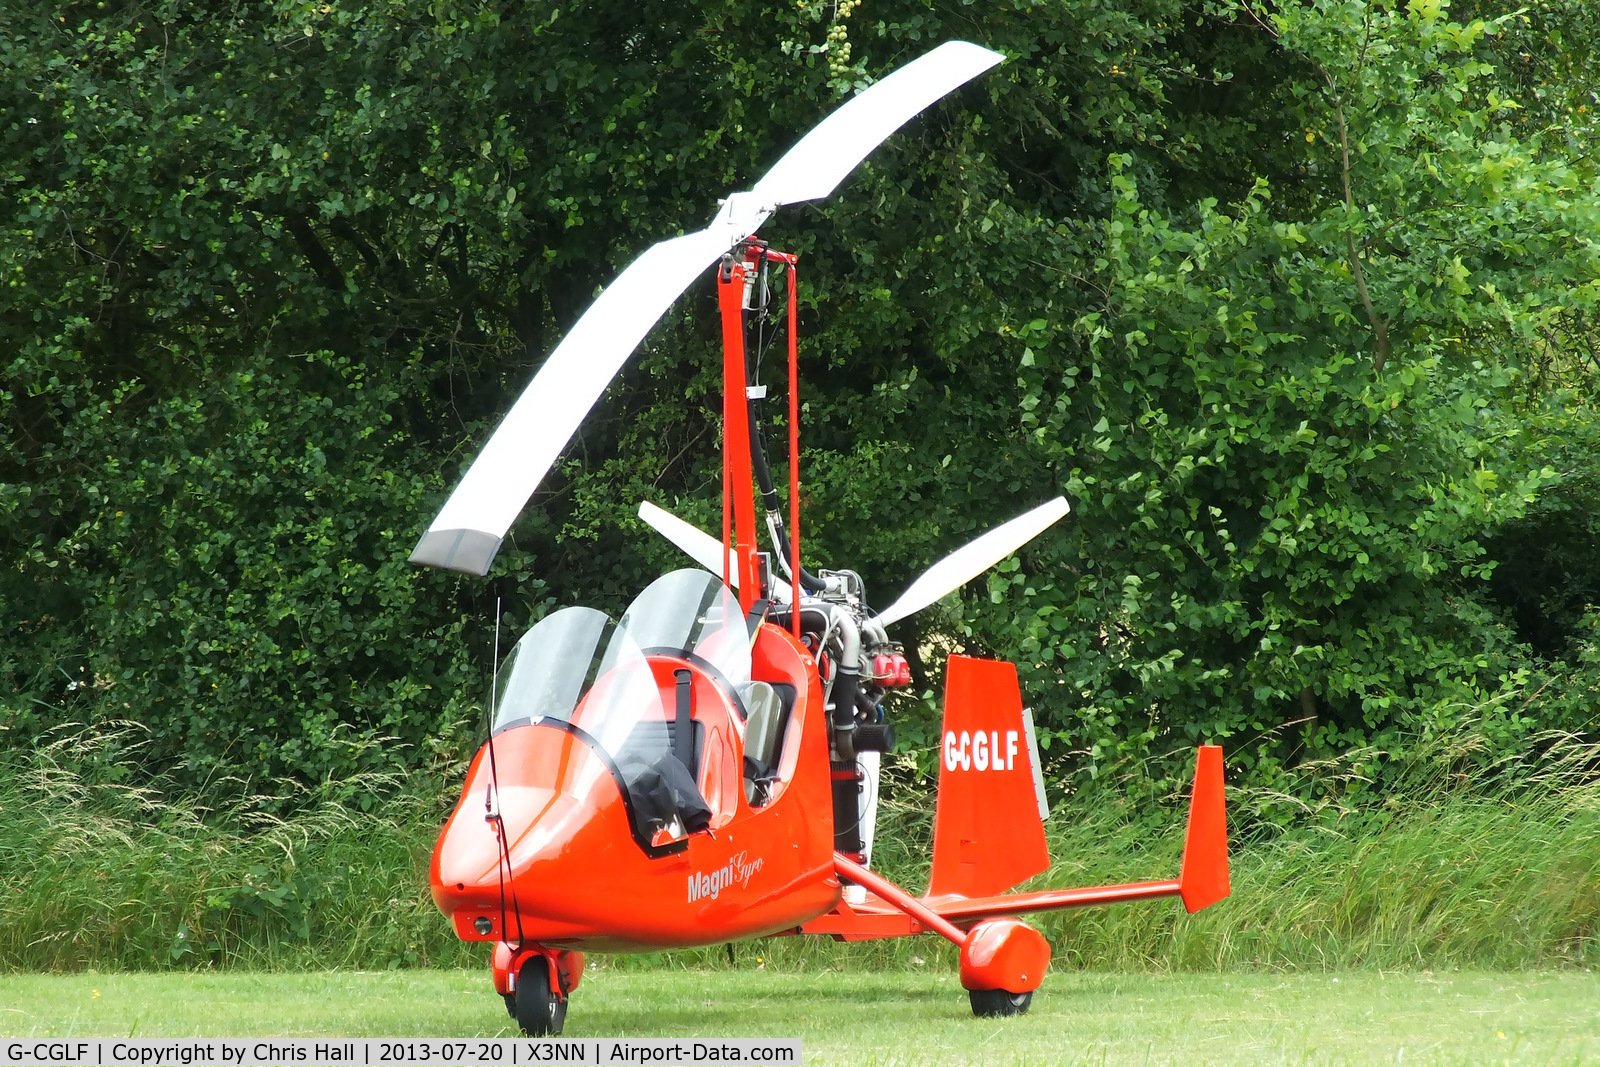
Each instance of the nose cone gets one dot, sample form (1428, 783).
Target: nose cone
(553, 803)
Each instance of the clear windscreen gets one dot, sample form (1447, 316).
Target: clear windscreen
(575, 667)
(551, 667)
(623, 695)
(691, 611)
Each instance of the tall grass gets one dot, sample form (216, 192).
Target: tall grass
(96, 873)
(1469, 861)
(1485, 865)
(1473, 863)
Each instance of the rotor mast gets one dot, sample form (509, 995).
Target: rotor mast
(742, 296)
(738, 484)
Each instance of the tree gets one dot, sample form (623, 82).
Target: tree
(272, 273)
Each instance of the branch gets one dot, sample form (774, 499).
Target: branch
(315, 254)
(1251, 11)
(1380, 331)
(341, 227)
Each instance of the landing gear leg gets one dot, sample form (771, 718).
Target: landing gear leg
(539, 1011)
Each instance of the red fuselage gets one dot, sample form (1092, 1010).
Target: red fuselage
(575, 873)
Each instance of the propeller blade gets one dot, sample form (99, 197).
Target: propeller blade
(700, 546)
(971, 560)
(467, 532)
(819, 162)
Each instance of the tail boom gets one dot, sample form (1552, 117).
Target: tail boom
(889, 911)
(1202, 881)
(964, 910)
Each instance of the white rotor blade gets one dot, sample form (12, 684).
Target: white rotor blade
(700, 546)
(971, 560)
(818, 163)
(467, 532)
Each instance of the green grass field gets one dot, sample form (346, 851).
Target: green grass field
(1460, 925)
(883, 1017)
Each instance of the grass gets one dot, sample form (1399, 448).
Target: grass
(879, 1017)
(102, 874)
(1487, 869)
(1454, 922)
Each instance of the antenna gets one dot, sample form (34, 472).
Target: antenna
(503, 861)
(494, 692)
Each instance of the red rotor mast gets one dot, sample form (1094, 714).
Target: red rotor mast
(740, 536)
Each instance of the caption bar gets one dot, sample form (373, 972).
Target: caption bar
(409, 1052)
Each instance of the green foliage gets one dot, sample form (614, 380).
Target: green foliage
(1264, 291)
(232, 579)
(1283, 498)
(1473, 861)
(1547, 576)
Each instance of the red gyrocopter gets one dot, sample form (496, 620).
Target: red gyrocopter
(706, 768)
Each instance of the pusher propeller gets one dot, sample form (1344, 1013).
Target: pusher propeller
(467, 532)
(700, 546)
(946, 576)
(972, 559)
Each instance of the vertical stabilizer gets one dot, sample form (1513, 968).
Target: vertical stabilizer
(988, 828)
(1204, 879)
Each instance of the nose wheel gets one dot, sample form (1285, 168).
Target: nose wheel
(540, 1011)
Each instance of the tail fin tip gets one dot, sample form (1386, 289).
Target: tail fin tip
(1203, 879)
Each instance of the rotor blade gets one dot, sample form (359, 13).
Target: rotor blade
(971, 560)
(467, 532)
(700, 546)
(813, 167)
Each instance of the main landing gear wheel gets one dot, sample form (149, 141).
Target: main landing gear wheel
(539, 1012)
(990, 1003)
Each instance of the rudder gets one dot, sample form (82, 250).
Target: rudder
(988, 825)
(1203, 879)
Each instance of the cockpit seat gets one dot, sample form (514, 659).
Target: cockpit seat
(768, 705)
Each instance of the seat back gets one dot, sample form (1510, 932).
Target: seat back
(762, 729)
(768, 706)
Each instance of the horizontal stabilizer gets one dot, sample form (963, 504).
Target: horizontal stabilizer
(965, 910)
(1202, 881)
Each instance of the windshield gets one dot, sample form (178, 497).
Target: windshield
(623, 695)
(691, 611)
(575, 668)
(626, 719)
(550, 667)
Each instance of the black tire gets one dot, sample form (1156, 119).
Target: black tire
(994, 1003)
(540, 1012)
(511, 1003)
